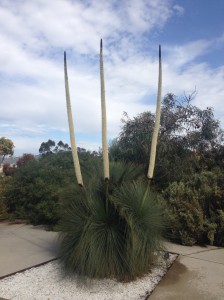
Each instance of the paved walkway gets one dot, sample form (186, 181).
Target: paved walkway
(23, 246)
(197, 274)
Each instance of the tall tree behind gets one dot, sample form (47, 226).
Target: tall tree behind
(189, 139)
(47, 147)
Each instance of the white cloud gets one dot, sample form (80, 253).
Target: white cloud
(179, 9)
(34, 35)
(180, 55)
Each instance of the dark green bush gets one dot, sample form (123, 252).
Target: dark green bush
(195, 209)
(210, 188)
(4, 183)
(34, 190)
(185, 215)
(218, 219)
(111, 231)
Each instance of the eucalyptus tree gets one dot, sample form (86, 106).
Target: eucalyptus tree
(6, 148)
(47, 147)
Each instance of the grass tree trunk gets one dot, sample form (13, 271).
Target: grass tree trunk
(157, 122)
(104, 118)
(71, 128)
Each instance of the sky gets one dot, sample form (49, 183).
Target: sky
(34, 35)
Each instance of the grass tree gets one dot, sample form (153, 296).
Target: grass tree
(116, 233)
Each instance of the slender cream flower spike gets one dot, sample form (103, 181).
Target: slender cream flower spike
(157, 122)
(71, 127)
(104, 118)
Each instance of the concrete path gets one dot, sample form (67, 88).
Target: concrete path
(23, 246)
(197, 274)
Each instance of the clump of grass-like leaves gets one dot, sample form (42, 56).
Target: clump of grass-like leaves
(143, 216)
(112, 232)
(92, 238)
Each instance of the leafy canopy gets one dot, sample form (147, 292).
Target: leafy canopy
(187, 136)
(6, 147)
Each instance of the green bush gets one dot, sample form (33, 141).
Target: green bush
(111, 229)
(218, 219)
(4, 183)
(195, 209)
(34, 190)
(185, 215)
(210, 188)
(36, 186)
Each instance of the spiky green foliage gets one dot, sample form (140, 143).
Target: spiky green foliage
(145, 222)
(113, 234)
(93, 238)
(123, 172)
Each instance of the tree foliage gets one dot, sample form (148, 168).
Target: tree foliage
(187, 135)
(9, 170)
(4, 184)
(196, 127)
(196, 209)
(47, 147)
(26, 157)
(133, 143)
(51, 147)
(60, 147)
(189, 167)
(36, 185)
(6, 147)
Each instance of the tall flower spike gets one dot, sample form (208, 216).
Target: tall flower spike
(157, 122)
(71, 128)
(104, 118)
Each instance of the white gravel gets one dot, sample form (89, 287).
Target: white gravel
(47, 283)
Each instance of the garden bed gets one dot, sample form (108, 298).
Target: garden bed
(48, 283)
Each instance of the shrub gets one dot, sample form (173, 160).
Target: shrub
(35, 188)
(185, 215)
(9, 170)
(24, 159)
(218, 219)
(4, 183)
(195, 209)
(110, 231)
(210, 189)
(37, 184)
